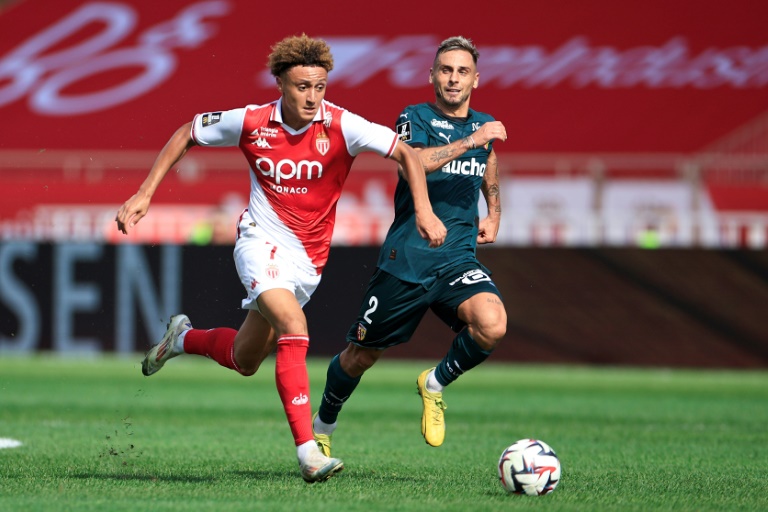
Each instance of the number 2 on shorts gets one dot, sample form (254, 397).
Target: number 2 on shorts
(374, 303)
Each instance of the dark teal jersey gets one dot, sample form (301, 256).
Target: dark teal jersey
(453, 191)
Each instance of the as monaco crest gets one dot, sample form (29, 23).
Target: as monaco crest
(272, 271)
(322, 143)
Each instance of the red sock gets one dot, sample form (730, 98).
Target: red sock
(293, 384)
(217, 344)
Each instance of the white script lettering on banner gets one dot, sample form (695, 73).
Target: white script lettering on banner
(32, 70)
(576, 63)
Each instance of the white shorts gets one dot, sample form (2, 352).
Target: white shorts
(264, 266)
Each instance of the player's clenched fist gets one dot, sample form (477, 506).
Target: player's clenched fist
(493, 130)
(432, 229)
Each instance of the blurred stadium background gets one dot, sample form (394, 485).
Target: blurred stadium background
(634, 183)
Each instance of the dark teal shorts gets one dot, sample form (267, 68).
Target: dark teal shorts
(392, 309)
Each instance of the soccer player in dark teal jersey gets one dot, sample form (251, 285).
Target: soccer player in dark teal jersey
(455, 145)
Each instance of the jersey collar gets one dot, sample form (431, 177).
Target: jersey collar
(277, 114)
(440, 113)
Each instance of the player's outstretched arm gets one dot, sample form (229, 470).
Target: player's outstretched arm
(488, 228)
(135, 208)
(435, 157)
(430, 227)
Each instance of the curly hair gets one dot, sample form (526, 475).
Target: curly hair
(299, 51)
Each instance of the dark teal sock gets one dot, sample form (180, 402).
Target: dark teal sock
(463, 355)
(338, 387)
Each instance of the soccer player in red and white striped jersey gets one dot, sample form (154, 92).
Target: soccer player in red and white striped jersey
(300, 149)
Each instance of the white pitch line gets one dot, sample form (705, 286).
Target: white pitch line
(9, 443)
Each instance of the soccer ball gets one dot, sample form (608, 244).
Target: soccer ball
(529, 467)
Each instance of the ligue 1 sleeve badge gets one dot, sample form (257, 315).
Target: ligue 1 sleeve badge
(322, 143)
(404, 131)
(211, 118)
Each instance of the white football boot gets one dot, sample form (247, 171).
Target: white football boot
(319, 468)
(165, 350)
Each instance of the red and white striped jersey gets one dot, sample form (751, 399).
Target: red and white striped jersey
(296, 176)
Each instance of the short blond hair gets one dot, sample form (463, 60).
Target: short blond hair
(299, 51)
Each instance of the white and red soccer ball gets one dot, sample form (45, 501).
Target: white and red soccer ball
(530, 467)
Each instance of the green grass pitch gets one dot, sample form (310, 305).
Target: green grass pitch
(97, 435)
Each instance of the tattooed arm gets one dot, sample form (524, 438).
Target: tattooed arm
(433, 158)
(489, 226)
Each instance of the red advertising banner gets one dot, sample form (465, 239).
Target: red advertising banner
(593, 75)
(91, 90)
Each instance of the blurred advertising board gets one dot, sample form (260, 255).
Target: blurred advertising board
(90, 91)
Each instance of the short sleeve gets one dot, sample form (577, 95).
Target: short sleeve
(218, 129)
(410, 128)
(363, 135)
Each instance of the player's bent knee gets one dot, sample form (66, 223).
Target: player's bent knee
(488, 333)
(493, 326)
(246, 370)
(488, 344)
(496, 331)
